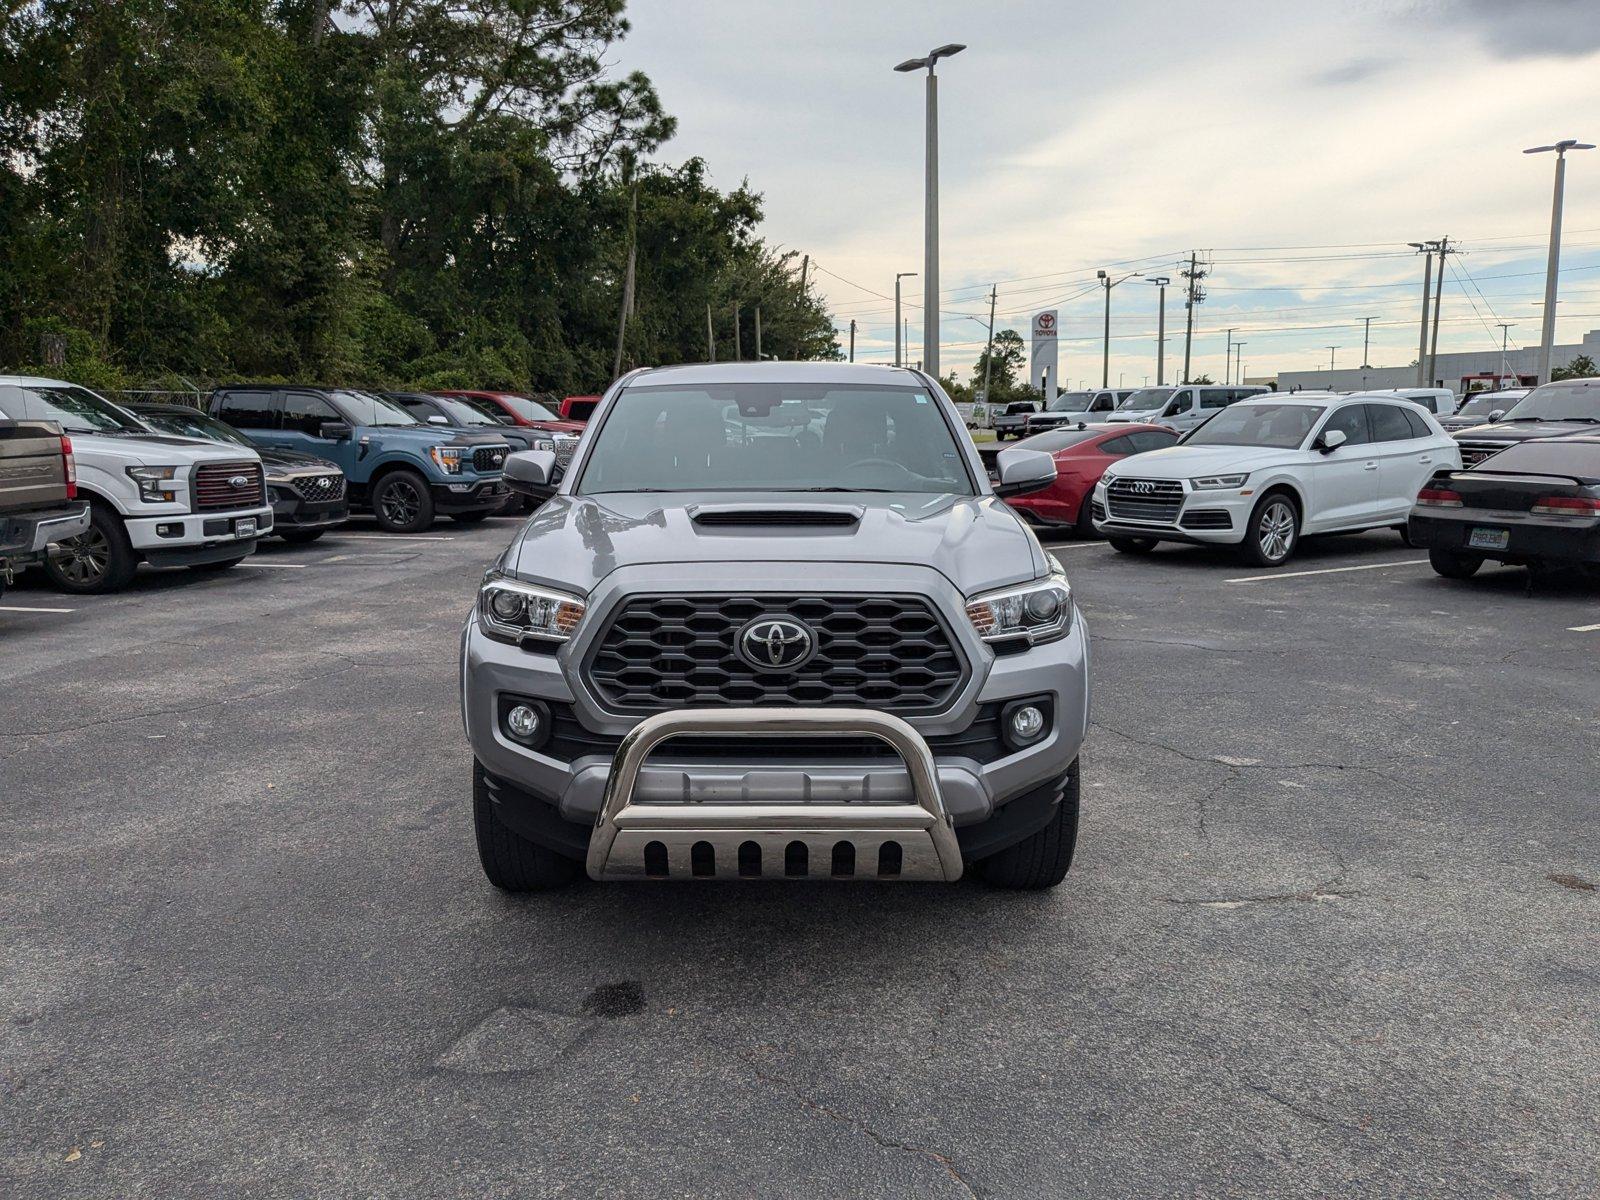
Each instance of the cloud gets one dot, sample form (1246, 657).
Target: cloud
(1531, 28)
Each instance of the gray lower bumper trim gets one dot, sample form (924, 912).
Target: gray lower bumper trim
(904, 841)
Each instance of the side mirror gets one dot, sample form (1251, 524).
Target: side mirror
(1330, 440)
(436, 419)
(1023, 471)
(531, 473)
(1496, 415)
(335, 431)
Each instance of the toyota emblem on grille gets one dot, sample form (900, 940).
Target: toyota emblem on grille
(776, 644)
(1144, 485)
(238, 481)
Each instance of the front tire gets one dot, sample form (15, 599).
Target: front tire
(511, 861)
(1454, 566)
(1272, 533)
(1128, 545)
(101, 559)
(1041, 860)
(402, 503)
(1084, 526)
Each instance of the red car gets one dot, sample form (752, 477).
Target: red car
(1082, 454)
(513, 408)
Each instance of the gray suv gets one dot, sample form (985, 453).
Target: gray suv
(774, 621)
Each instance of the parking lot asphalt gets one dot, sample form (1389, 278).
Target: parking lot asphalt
(1333, 927)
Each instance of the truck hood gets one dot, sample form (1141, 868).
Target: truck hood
(1184, 462)
(976, 542)
(1508, 432)
(429, 435)
(155, 449)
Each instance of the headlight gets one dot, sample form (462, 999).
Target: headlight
(448, 458)
(1213, 483)
(157, 485)
(510, 610)
(1040, 611)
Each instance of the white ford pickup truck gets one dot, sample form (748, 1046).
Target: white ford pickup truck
(168, 501)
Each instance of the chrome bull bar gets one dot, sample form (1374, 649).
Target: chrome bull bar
(718, 840)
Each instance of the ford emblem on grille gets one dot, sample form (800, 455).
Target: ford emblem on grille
(239, 481)
(776, 644)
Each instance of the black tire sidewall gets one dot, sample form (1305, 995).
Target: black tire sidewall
(424, 518)
(121, 562)
(1250, 548)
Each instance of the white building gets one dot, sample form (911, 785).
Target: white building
(1450, 370)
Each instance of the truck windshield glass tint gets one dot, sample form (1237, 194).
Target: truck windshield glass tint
(1284, 426)
(1146, 399)
(775, 437)
(79, 411)
(367, 409)
(529, 410)
(198, 425)
(1559, 401)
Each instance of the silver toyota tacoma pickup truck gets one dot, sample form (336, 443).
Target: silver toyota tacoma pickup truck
(773, 621)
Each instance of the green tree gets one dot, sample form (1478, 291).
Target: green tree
(1581, 367)
(1007, 358)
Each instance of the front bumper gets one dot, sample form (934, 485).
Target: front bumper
(165, 537)
(469, 496)
(1198, 520)
(557, 801)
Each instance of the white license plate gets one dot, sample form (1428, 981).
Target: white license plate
(244, 527)
(1489, 539)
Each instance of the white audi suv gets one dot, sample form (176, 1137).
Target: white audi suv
(1262, 473)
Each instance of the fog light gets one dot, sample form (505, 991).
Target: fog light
(524, 723)
(1027, 723)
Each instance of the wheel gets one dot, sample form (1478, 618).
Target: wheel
(1128, 545)
(101, 559)
(1405, 535)
(301, 537)
(468, 518)
(402, 503)
(1454, 566)
(1084, 525)
(1272, 533)
(1041, 860)
(511, 861)
(222, 564)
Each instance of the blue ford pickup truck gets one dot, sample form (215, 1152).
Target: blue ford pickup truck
(400, 469)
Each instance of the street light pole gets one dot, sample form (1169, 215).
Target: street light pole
(1504, 327)
(1553, 267)
(1425, 248)
(1108, 283)
(1238, 349)
(1227, 357)
(930, 220)
(897, 279)
(1331, 351)
(1366, 345)
(1161, 282)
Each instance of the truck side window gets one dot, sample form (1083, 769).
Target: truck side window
(1180, 404)
(248, 409)
(305, 412)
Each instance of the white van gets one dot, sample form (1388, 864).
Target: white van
(1183, 406)
(168, 501)
(1441, 402)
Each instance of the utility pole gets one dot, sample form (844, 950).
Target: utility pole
(1105, 358)
(1331, 351)
(738, 353)
(1552, 269)
(930, 219)
(1438, 303)
(852, 339)
(758, 333)
(898, 356)
(988, 350)
(1425, 248)
(1504, 326)
(627, 280)
(1196, 294)
(1366, 345)
(1238, 349)
(711, 337)
(1161, 282)
(805, 265)
(1227, 357)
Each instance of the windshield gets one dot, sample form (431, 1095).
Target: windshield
(367, 409)
(197, 425)
(1566, 401)
(1283, 426)
(1058, 439)
(462, 413)
(75, 409)
(528, 410)
(775, 437)
(1146, 399)
(1482, 406)
(1072, 402)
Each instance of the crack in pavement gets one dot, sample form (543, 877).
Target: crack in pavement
(1301, 1110)
(1326, 890)
(1238, 765)
(957, 1176)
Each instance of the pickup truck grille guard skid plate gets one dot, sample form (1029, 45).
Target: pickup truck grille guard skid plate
(625, 833)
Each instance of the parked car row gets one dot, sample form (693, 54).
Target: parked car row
(1263, 472)
(89, 489)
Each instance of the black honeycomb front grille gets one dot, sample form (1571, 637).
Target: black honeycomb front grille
(881, 652)
(317, 488)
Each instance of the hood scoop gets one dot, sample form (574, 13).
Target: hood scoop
(788, 516)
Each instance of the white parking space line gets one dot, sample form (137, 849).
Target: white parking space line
(1051, 548)
(20, 608)
(1583, 628)
(397, 537)
(1410, 562)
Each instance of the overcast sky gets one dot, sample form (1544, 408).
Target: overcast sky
(1079, 135)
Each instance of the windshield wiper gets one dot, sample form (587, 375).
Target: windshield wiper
(840, 489)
